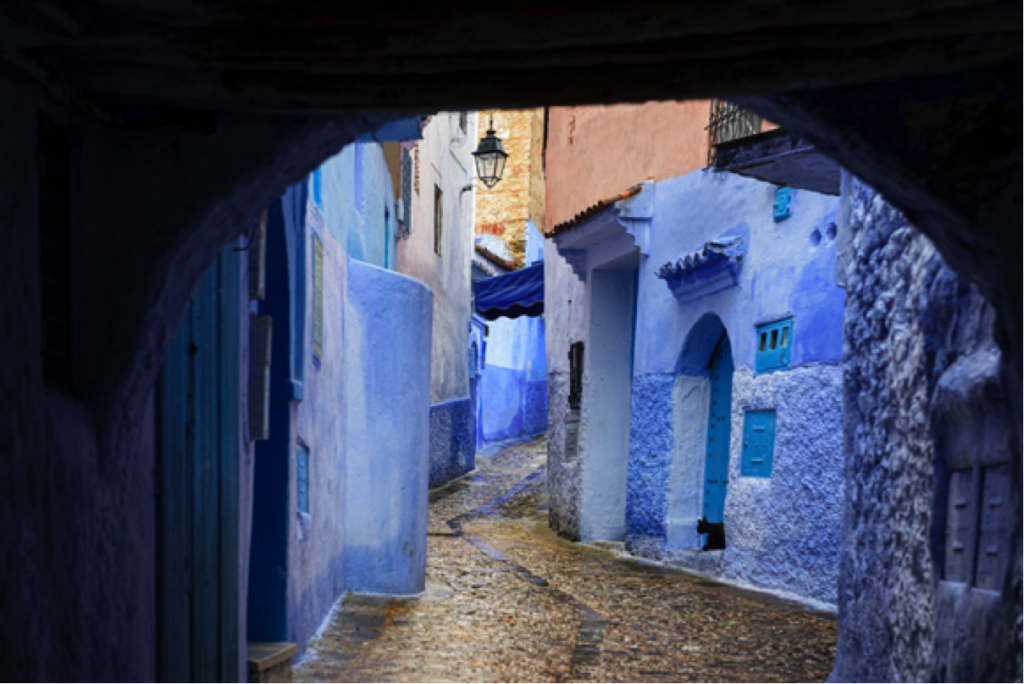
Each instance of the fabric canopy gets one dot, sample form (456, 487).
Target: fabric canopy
(520, 293)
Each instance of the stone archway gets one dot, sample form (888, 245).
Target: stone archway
(185, 127)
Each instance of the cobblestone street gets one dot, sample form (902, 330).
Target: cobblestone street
(507, 600)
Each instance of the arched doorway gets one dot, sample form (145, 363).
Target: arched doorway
(701, 425)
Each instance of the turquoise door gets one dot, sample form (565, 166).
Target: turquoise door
(198, 486)
(716, 471)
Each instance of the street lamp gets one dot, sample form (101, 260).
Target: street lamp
(490, 158)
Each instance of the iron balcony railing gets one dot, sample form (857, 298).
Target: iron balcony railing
(729, 122)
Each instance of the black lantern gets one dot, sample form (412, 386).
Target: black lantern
(490, 158)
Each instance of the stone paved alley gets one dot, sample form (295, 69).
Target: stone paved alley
(507, 600)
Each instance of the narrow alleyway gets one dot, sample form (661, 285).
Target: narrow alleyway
(507, 600)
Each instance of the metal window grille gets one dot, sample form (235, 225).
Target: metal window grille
(438, 219)
(54, 169)
(575, 375)
(729, 122)
(405, 202)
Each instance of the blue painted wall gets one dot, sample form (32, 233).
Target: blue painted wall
(358, 205)
(362, 416)
(513, 386)
(788, 270)
(452, 440)
(387, 405)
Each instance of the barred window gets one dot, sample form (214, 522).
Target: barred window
(438, 219)
(729, 122)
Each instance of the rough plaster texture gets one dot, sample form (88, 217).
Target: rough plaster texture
(783, 532)
(452, 443)
(176, 194)
(564, 478)
(650, 449)
(788, 271)
(440, 162)
(920, 376)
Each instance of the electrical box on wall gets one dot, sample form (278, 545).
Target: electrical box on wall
(774, 343)
(758, 444)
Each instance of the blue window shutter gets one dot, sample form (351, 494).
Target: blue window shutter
(758, 444)
(774, 346)
(302, 479)
(782, 208)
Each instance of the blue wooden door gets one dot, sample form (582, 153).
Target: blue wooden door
(716, 471)
(197, 486)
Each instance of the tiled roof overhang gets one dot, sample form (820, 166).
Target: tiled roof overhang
(712, 268)
(594, 209)
(494, 258)
(614, 230)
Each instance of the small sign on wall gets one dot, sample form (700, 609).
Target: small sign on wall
(318, 297)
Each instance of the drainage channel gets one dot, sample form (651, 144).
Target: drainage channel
(586, 654)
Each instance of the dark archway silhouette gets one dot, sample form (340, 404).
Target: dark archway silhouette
(187, 120)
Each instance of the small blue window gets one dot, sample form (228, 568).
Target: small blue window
(302, 479)
(758, 444)
(783, 208)
(774, 342)
(316, 181)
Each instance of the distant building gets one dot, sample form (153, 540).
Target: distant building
(436, 226)
(695, 339)
(511, 400)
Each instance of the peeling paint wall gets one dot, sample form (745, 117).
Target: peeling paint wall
(566, 317)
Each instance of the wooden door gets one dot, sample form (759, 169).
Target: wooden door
(197, 486)
(716, 472)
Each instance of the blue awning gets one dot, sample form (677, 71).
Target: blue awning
(520, 293)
